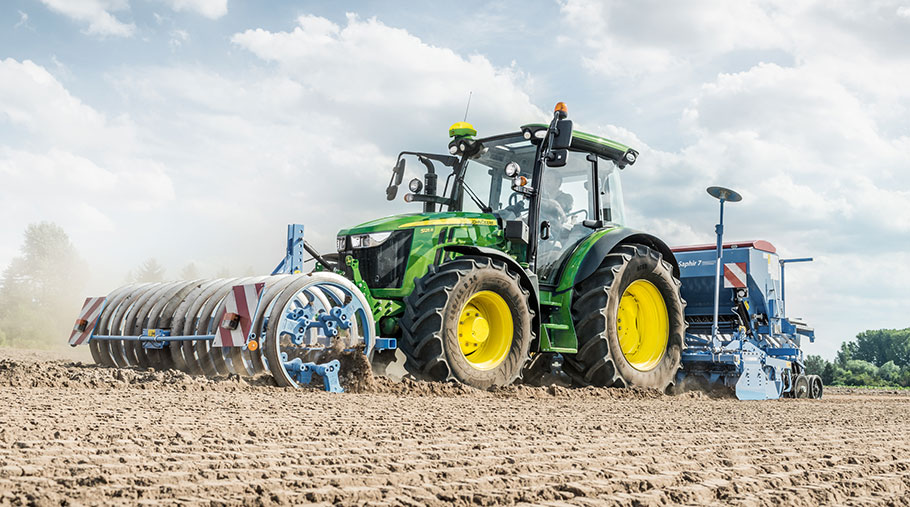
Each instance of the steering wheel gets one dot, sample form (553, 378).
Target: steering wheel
(514, 199)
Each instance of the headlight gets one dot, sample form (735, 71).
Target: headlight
(512, 169)
(369, 240)
(340, 243)
(415, 185)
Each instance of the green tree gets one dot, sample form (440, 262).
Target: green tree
(829, 373)
(878, 346)
(149, 271)
(41, 289)
(815, 365)
(860, 367)
(846, 353)
(189, 272)
(889, 371)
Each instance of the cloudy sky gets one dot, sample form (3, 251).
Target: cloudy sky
(194, 130)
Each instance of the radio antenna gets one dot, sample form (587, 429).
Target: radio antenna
(468, 106)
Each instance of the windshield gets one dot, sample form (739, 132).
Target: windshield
(485, 177)
(612, 208)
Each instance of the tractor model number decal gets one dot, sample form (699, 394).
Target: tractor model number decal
(734, 275)
(452, 221)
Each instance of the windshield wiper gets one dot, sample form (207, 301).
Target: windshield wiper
(483, 207)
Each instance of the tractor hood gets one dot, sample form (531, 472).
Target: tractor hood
(412, 220)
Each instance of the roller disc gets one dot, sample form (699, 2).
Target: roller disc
(138, 316)
(184, 322)
(100, 349)
(123, 351)
(109, 323)
(211, 360)
(288, 338)
(160, 315)
(280, 283)
(196, 353)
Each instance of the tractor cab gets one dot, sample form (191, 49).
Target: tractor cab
(547, 194)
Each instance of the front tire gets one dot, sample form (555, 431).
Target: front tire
(629, 322)
(467, 320)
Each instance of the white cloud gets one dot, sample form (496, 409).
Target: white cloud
(96, 13)
(35, 101)
(178, 38)
(398, 77)
(74, 166)
(23, 21)
(623, 39)
(212, 9)
(211, 166)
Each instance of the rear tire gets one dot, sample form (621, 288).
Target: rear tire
(643, 282)
(801, 387)
(816, 388)
(479, 299)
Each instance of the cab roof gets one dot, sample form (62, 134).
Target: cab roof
(601, 146)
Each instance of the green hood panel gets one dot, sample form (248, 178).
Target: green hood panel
(409, 220)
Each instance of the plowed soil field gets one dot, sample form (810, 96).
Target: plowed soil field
(78, 434)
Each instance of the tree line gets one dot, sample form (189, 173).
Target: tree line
(878, 357)
(43, 288)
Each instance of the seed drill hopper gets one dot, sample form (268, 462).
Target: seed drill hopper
(738, 334)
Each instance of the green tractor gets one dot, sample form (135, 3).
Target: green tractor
(520, 264)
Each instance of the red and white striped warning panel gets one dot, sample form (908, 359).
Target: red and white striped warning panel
(237, 320)
(87, 320)
(734, 275)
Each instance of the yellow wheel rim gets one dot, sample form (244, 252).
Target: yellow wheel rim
(642, 325)
(485, 330)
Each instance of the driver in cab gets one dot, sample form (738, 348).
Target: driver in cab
(554, 203)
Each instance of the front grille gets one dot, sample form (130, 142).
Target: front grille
(383, 266)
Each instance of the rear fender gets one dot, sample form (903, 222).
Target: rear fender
(590, 254)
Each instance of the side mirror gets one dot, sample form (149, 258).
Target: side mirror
(397, 175)
(563, 137)
(557, 158)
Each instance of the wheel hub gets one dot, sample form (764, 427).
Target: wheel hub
(485, 330)
(476, 324)
(643, 325)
